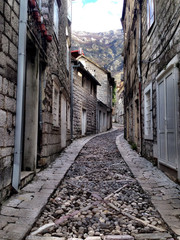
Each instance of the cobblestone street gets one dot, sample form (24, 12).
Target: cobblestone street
(104, 195)
(99, 197)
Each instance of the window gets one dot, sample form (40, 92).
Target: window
(56, 18)
(55, 104)
(148, 112)
(69, 10)
(150, 13)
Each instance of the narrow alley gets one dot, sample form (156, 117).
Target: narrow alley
(98, 198)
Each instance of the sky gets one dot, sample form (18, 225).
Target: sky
(96, 15)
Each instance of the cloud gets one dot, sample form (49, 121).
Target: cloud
(99, 16)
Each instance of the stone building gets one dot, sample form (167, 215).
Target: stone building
(35, 38)
(104, 92)
(118, 109)
(151, 72)
(84, 101)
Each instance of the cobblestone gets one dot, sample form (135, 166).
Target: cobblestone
(99, 198)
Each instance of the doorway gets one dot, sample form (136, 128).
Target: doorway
(63, 121)
(84, 122)
(167, 115)
(31, 111)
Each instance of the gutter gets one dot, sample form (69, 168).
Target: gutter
(140, 70)
(18, 148)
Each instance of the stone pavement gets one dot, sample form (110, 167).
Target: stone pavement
(164, 193)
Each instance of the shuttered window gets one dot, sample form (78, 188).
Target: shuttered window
(55, 104)
(56, 18)
(148, 112)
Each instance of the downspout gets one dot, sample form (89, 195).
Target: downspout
(20, 94)
(140, 70)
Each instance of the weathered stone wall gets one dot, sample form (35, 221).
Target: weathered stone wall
(83, 98)
(57, 53)
(131, 83)
(103, 91)
(162, 44)
(52, 61)
(9, 13)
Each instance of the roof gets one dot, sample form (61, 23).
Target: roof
(79, 65)
(77, 53)
(110, 78)
(103, 69)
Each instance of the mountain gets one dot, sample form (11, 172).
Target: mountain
(104, 48)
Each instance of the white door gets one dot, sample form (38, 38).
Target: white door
(84, 122)
(63, 121)
(167, 119)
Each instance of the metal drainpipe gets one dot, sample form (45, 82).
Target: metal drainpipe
(140, 70)
(20, 94)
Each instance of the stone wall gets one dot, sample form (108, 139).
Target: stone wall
(48, 60)
(83, 98)
(160, 44)
(9, 15)
(57, 53)
(104, 91)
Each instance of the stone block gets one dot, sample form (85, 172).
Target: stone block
(5, 86)
(5, 44)
(1, 6)
(14, 21)
(13, 51)
(93, 238)
(118, 237)
(11, 89)
(1, 101)
(15, 38)
(7, 172)
(7, 10)
(1, 84)
(1, 139)
(10, 2)
(9, 120)
(9, 138)
(10, 104)
(16, 7)
(2, 118)
(4, 153)
(3, 61)
(153, 236)
(45, 238)
(8, 30)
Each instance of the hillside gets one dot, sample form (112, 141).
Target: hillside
(104, 48)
